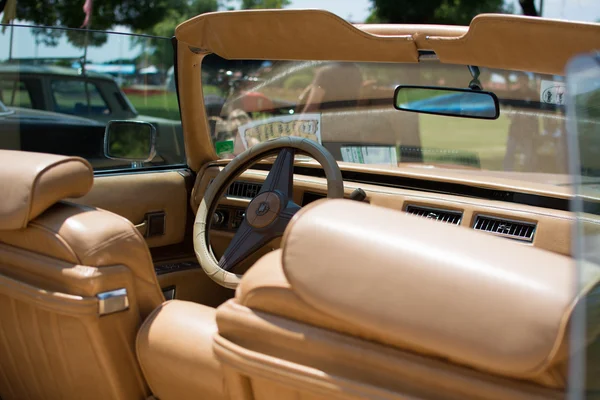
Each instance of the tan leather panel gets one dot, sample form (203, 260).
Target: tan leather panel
(266, 288)
(54, 346)
(174, 347)
(518, 43)
(249, 35)
(87, 236)
(412, 270)
(554, 226)
(413, 29)
(281, 357)
(193, 285)
(134, 195)
(32, 182)
(198, 144)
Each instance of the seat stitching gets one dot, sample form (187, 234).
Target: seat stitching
(26, 352)
(106, 243)
(59, 342)
(38, 177)
(44, 353)
(57, 237)
(10, 355)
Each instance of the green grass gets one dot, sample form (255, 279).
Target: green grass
(485, 138)
(162, 105)
(158, 105)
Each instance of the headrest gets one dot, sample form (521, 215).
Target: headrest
(479, 300)
(32, 182)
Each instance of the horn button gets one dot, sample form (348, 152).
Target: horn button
(263, 209)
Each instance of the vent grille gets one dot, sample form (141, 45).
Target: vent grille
(504, 227)
(449, 217)
(246, 190)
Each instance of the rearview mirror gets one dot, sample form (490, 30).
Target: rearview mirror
(466, 103)
(130, 141)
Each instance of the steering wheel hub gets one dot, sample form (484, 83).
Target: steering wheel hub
(263, 209)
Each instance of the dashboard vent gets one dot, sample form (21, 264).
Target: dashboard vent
(246, 190)
(504, 227)
(447, 216)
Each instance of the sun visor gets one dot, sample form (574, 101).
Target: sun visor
(517, 43)
(291, 35)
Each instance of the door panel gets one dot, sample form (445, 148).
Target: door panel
(136, 195)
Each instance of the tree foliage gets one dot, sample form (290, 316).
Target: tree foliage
(136, 14)
(459, 12)
(257, 4)
(159, 51)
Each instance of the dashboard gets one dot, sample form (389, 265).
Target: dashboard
(534, 220)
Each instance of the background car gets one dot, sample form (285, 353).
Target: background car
(84, 94)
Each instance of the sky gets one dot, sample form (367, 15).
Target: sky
(353, 10)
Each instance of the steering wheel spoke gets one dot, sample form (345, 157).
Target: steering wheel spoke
(245, 242)
(284, 218)
(281, 175)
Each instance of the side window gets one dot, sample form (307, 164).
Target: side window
(77, 97)
(14, 93)
(69, 111)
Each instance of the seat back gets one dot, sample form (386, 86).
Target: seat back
(365, 302)
(75, 284)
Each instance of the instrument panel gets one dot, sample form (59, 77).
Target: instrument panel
(543, 227)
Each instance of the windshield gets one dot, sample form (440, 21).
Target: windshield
(349, 108)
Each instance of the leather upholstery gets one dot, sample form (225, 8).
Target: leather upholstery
(53, 342)
(330, 38)
(395, 281)
(89, 236)
(174, 347)
(30, 188)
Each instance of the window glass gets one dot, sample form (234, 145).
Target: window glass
(349, 108)
(77, 97)
(583, 111)
(14, 93)
(69, 96)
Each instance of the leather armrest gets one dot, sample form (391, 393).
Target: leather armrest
(175, 351)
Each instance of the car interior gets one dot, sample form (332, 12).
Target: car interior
(269, 276)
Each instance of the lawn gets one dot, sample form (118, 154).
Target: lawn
(157, 105)
(485, 138)
(163, 105)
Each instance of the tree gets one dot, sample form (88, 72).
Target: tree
(459, 12)
(159, 51)
(257, 4)
(136, 14)
(528, 7)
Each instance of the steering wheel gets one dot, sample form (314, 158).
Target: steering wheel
(268, 213)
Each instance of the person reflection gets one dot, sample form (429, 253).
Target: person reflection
(335, 86)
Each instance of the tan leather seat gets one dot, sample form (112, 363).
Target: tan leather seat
(75, 284)
(364, 302)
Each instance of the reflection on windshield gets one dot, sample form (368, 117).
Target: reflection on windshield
(348, 107)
